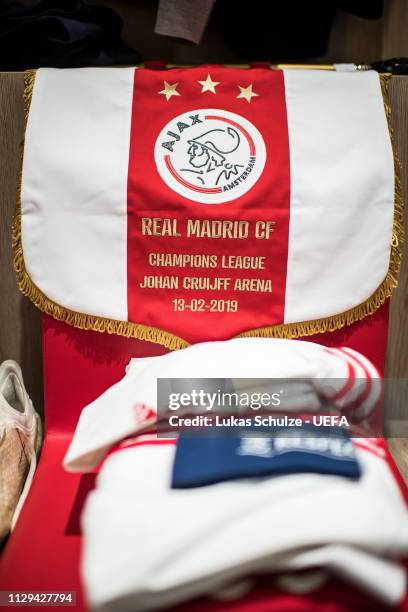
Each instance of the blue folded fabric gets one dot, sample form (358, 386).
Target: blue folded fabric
(203, 459)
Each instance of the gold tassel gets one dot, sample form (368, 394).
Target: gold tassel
(173, 342)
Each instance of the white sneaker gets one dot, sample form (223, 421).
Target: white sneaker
(20, 442)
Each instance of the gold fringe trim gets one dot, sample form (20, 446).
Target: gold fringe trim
(173, 342)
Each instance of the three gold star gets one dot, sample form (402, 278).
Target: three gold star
(169, 90)
(208, 85)
(246, 93)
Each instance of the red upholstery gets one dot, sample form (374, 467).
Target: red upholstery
(43, 551)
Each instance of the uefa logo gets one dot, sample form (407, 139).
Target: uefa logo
(210, 155)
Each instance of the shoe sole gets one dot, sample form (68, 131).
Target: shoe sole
(31, 472)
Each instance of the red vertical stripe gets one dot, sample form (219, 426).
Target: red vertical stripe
(150, 196)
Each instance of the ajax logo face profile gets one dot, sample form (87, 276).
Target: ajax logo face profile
(210, 156)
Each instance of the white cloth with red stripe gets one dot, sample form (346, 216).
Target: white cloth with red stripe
(344, 377)
(147, 546)
(75, 203)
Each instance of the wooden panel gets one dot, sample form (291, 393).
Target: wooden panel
(399, 450)
(394, 34)
(397, 362)
(353, 39)
(20, 336)
(397, 354)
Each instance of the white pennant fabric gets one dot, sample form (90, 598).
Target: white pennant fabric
(143, 188)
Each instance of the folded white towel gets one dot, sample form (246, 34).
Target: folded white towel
(342, 376)
(147, 546)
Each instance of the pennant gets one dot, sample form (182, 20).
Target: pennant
(195, 204)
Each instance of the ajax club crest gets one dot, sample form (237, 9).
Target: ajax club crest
(210, 156)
